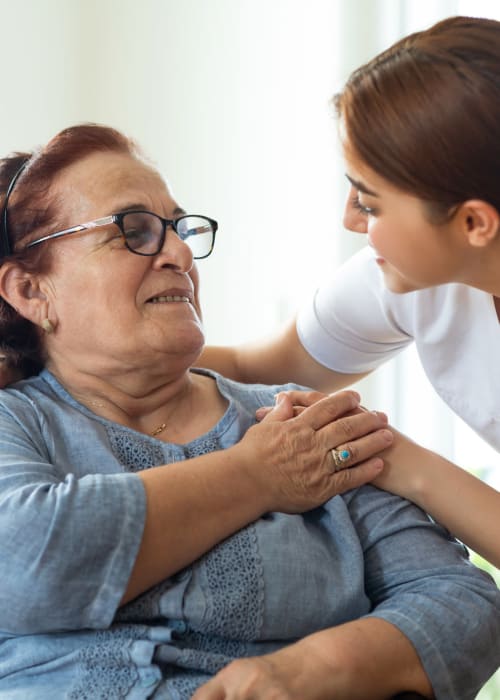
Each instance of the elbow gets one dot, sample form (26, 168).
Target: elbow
(36, 610)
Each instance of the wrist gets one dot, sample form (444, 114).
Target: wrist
(246, 482)
(426, 477)
(409, 469)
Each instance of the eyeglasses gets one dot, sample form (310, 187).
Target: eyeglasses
(5, 246)
(144, 232)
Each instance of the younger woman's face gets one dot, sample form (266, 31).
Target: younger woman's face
(412, 252)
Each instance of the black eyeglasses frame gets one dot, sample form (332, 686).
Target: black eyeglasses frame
(118, 220)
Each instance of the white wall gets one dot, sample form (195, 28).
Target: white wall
(231, 98)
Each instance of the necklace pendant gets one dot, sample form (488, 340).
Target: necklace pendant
(158, 430)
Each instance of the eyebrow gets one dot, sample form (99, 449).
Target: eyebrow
(178, 211)
(359, 186)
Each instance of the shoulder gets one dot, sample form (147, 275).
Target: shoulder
(248, 395)
(437, 314)
(21, 398)
(38, 410)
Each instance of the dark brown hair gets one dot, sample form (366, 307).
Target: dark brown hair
(425, 113)
(34, 211)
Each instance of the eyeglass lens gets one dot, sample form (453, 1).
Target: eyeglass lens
(143, 233)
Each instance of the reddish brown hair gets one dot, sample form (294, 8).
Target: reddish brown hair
(33, 211)
(425, 113)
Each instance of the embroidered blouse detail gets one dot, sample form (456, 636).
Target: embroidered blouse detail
(64, 634)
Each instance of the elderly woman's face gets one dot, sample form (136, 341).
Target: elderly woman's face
(113, 306)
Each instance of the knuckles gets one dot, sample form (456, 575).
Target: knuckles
(346, 427)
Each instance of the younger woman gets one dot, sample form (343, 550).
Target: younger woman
(420, 126)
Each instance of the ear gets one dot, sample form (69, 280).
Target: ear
(23, 291)
(480, 222)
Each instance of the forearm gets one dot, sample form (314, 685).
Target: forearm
(367, 658)
(190, 507)
(466, 506)
(130, 531)
(281, 464)
(276, 360)
(221, 359)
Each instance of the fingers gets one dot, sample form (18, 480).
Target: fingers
(263, 411)
(351, 429)
(318, 412)
(360, 436)
(248, 679)
(359, 475)
(288, 454)
(304, 398)
(210, 691)
(282, 410)
(363, 448)
(299, 399)
(329, 409)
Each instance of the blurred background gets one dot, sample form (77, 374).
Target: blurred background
(231, 99)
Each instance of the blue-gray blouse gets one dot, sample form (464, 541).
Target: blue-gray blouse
(72, 511)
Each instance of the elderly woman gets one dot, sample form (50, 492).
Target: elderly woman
(151, 534)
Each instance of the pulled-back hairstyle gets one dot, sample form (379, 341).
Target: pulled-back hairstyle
(425, 113)
(33, 210)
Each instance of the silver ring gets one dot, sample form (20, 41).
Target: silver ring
(340, 457)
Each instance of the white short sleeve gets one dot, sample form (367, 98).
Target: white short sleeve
(348, 325)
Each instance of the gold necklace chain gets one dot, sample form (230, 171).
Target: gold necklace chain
(155, 432)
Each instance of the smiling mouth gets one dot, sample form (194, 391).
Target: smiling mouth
(167, 299)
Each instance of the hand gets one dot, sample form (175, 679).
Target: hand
(366, 658)
(299, 399)
(290, 454)
(288, 674)
(405, 462)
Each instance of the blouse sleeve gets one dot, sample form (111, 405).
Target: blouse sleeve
(68, 544)
(349, 325)
(419, 579)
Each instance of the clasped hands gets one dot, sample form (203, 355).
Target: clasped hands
(289, 451)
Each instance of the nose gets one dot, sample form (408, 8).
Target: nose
(175, 253)
(354, 219)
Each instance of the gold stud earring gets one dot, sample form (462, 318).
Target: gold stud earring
(47, 325)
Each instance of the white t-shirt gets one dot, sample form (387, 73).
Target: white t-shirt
(354, 324)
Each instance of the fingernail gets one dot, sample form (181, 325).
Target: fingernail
(388, 436)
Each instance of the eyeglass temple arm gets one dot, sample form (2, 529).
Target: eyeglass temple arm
(196, 231)
(74, 229)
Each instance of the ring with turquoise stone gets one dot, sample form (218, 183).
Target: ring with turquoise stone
(340, 457)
